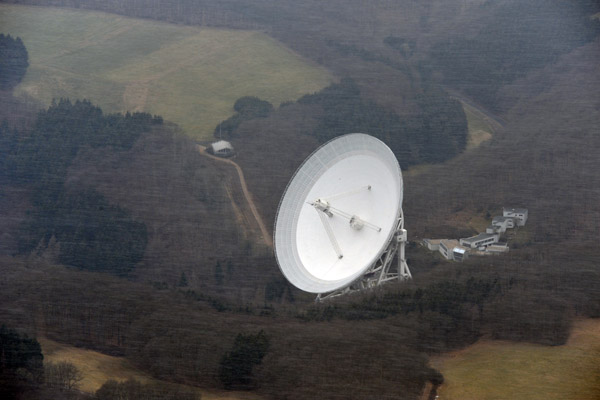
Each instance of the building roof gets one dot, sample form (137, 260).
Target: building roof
(497, 248)
(221, 145)
(515, 210)
(500, 219)
(452, 244)
(481, 236)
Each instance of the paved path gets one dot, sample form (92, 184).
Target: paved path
(263, 229)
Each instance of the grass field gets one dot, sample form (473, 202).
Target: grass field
(97, 368)
(497, 370)
(189, 75)
(479, 130)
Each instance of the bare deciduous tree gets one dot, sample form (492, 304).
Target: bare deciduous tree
(62, 375)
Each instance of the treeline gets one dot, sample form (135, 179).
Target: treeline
(236, 366)
(238, 15)
(73, 225)
(14, 61)
(21, 363)
(180, 339)
(373, 57)
(453, 313)
(246, 108)
(81, 228)
(184, 338)
(134, 390)
(516, 38)
(435, 133)
(25, 375)
(45, 153)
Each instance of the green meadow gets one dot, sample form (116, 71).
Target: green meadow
(498, 370)
(189, 75)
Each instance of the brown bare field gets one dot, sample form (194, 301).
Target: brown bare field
(97, 368)
(491, 370)
(480, 130)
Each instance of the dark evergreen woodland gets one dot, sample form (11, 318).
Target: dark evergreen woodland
(21, 363)
(517, 38)
(247, 108)
(14, 61)
(77, 223)
(436, 133)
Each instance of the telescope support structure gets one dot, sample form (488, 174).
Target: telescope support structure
(382, 271)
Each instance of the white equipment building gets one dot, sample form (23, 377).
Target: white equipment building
(519, 214)
(480, 241)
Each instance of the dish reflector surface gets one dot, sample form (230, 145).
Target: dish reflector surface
(319, 249)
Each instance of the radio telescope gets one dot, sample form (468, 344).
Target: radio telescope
(340, 221)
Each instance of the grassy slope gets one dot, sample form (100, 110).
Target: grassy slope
(189, 75)
(97, 368)
(479, 130)
(491, 370)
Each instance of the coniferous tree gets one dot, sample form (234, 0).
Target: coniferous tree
(219, 276)
(21, 363)
(14, 61)
(236, 366)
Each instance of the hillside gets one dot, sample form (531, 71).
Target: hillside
(97, 368)
(525, 371)
(145, 203)
(181, 199)
(550, 135)
(206, 306)
(188, 75)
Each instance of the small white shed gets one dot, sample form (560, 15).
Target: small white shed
(222, 148)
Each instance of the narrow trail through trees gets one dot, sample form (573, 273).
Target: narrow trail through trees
(266, 235)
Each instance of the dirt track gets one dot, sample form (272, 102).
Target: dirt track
(266, 235)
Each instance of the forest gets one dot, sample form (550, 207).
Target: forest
(436, 133)
(246, 108)
(78, 224)
(520, 37)
(119, 236)
(14, 61)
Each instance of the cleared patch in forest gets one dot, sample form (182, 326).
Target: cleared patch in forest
(479, 130)
(189, 75)
(494, 370)
(97, 368)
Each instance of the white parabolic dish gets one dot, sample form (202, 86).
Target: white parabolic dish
(356, 175)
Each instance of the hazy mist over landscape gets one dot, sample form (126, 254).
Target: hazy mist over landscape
(136, 262)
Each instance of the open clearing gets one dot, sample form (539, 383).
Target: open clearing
(97, 368)
(189, 75)
(479, 130)
(496, 370)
